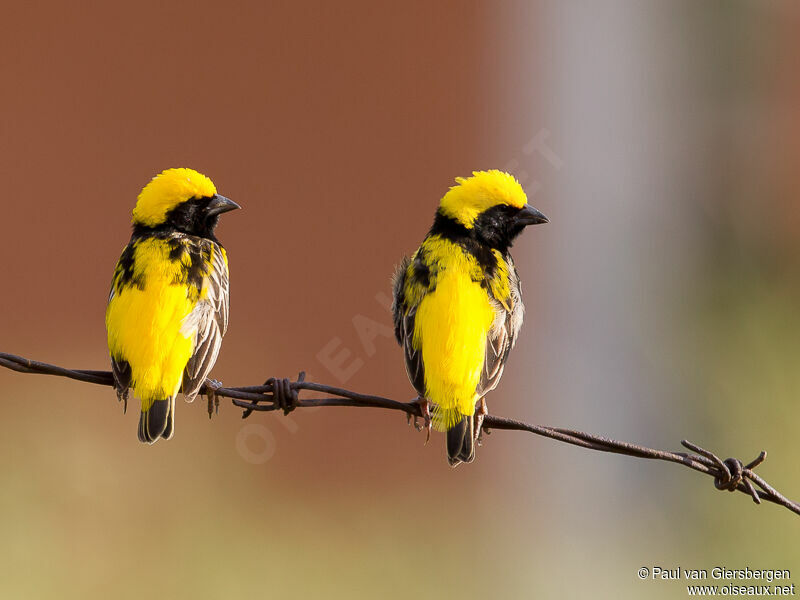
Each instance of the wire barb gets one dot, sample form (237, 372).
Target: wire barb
(732, 474)
(282, 394)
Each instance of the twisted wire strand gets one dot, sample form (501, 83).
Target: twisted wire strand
(283, 394)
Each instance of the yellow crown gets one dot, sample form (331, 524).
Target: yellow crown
(485, 189)
(167, 190)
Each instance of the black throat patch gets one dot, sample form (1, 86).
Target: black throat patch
(194, 253)
(453, 231)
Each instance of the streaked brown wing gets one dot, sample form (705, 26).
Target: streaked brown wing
(503, 334)
(413, 358)
(210, 316)
(404, 316)
(498, 345)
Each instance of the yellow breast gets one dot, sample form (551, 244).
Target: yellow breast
(451, 328)
(144, 322)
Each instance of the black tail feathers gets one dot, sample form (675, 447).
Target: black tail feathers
(158, 421)
(461, 442)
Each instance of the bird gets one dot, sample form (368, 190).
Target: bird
(168, 307)
(457, 304)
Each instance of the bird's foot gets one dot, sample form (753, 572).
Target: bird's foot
(122, 396)
(425, 409)
(483, 432)
(481, 410)
(212, 385)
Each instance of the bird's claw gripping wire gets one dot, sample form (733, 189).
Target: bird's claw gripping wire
(122, 396)
(283, 394)
(481, 410)
(212, 385)
(427, 421)
(732, 472)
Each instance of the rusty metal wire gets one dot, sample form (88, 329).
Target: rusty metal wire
(283, 394)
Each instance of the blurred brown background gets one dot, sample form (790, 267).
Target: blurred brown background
(660, 138)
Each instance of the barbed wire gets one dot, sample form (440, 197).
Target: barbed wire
(283, 394)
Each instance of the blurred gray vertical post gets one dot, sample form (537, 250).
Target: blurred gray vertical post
(612, 97)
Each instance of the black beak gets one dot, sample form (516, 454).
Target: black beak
(529, 216)
(220, 204)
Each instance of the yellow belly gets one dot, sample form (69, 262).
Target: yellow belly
(145, 326)
(451, 327)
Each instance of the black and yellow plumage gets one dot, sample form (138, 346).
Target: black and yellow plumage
(168, 306)
(458, 304)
